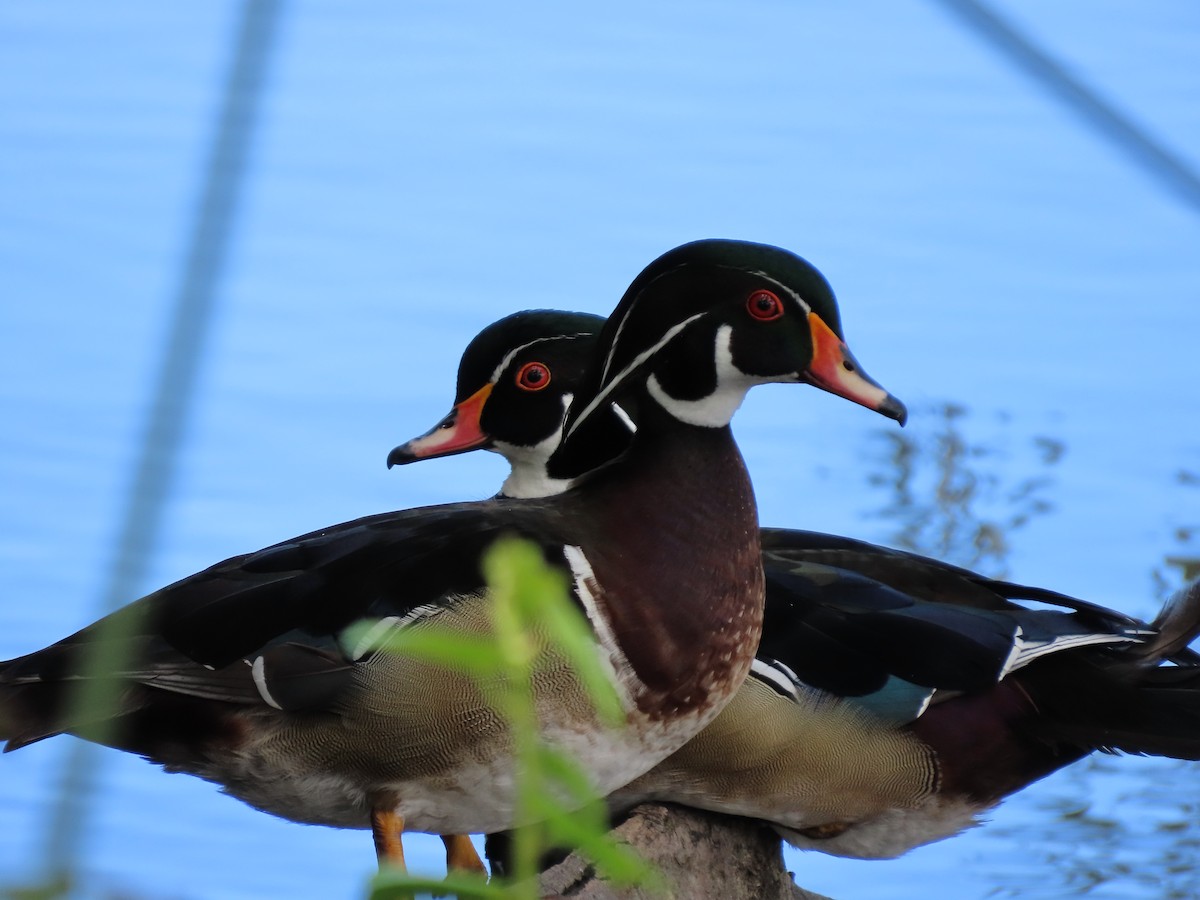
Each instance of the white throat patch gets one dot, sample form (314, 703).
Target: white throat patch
(528, 477)
(612, 384)
(717, 409)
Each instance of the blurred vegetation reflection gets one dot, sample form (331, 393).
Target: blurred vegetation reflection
(959, 497)
(1077, 840)
(1182, 561)
(948, 498)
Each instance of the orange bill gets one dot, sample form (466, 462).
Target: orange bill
(459, 432)
(835, 369)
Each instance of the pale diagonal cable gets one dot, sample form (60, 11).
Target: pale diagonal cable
(1170, 169)
(154, 471)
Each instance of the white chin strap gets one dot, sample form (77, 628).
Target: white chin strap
(716, 409)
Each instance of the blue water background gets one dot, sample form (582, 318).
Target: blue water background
(423, 168)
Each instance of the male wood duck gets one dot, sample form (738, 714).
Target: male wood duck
(241, 674)
(894, 698)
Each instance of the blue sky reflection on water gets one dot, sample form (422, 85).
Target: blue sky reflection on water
(422, 170)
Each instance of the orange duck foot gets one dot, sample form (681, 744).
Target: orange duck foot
(461, 855)
(387, 828)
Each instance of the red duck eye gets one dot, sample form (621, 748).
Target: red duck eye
(764, 306)
(533, 376)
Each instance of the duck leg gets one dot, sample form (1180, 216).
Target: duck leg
(461, 854)
(387, 828)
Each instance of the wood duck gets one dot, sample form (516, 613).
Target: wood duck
(894, 698)
(242, 674)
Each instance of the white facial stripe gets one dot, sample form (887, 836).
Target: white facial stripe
(610, 386)
(784, 289)
(508, 357)
(624, 417)
(613, 659)
(616, 340)
(780, 288)
(715, 410)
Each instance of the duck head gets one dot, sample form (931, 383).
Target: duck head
(516, 379)
(698, 328)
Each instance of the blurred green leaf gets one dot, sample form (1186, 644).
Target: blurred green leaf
(392, 884)
(470, 654)
(578, 645)
(534, 620)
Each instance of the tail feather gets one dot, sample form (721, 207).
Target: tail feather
(1177, 625)
(1166, 721)
(1154, 712)
(33, 711)
(28, 713)
(38, 696)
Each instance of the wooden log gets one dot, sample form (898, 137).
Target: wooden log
(701, 855)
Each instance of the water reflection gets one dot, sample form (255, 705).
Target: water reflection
(949, 499)
(1182, 562)
(1081, 839)
(1107, 826)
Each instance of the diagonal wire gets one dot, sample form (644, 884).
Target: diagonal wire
(174, 394)
(1167, 167)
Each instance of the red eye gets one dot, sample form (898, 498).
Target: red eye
(533, 376)
(764, 306)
